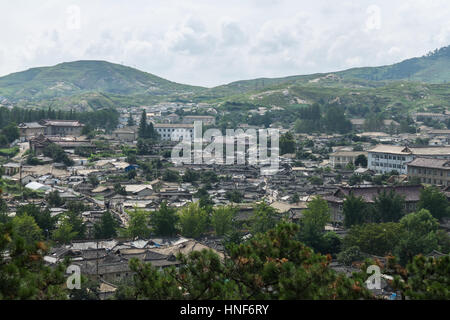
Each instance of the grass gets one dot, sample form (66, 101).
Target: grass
(9, 152)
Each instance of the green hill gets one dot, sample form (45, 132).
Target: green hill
(75, 78)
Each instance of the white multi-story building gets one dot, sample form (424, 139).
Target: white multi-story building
(174, 131)
(387, 158)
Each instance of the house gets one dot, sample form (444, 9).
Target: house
(342, 158)
(206, 120)
(386, 158)
(125, 134)
(336, 200)
(31, 129)
(430, 171)
(62, 127)
(36, 186)
(139, 190)
(171, 132)
(11, 168)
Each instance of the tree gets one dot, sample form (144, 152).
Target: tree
(171, 176)
(425, 278)
(374, 238)
(419, 236)
(295, 198)
(435, 202)
(106, 228)
(11, 132)
(354, 210)
(93, 180)
(350, 255)
(361, 161)
(312, 223)
(389, 206)
(130, 121)
(138, 226)
(65, 232)
(270, 266)
(142, 131)
(264, 218)
(190, 176)
(43, 218)
(25, 227)
(287, 143)
(119, 189)
(164, 221)
(222, 220)
(23, 273)
(234, 196)
(54, 200)
(193, 221)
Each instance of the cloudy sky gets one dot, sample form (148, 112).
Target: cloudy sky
(213, 42)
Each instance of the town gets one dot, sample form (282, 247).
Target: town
(97, 188)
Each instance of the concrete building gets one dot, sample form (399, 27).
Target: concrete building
(206, 120)
(386, 158)
(430, 171)
(30, 129)
(342, 158)
(125, 134)
(175, 131)
(62, 127)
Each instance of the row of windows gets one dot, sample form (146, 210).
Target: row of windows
(430, 172)
(173, 130)
(388, 165)
(390, 157)
(435, 181)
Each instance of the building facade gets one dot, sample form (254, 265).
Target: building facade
(30, 129)
(62, 127)
(387, 158)
(342, 158)
(174, 132)
(430, 171)
(206, 120)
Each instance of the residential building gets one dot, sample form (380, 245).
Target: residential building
(410, 193)
(430, 171)
(387, 158)
(31, 129)
(62, 127)
(206, 120)
(174, 131)
(342, 158)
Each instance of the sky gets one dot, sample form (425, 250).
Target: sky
(213, 42)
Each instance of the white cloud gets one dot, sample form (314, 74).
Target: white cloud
(209, 43)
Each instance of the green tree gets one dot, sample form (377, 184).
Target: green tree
(11, 132)
(106, 228)
(234, 196)
(222, 220)
(193, 221)
(374, 238)
(43, 218)
(54, 200)
(361, 161)
(425, 278)
(435, 202)
(419, 236)
(171, 176)
(23, 273)
(65, 232)
(138, 226)
(287, 143)
(264, 218)
(354, 210)
(25, 227)
(272, 265)
(142, 131)
(130, 121)
(164, 220)
(390, 207)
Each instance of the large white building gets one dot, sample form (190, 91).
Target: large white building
(174, 131)
(387, 158)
